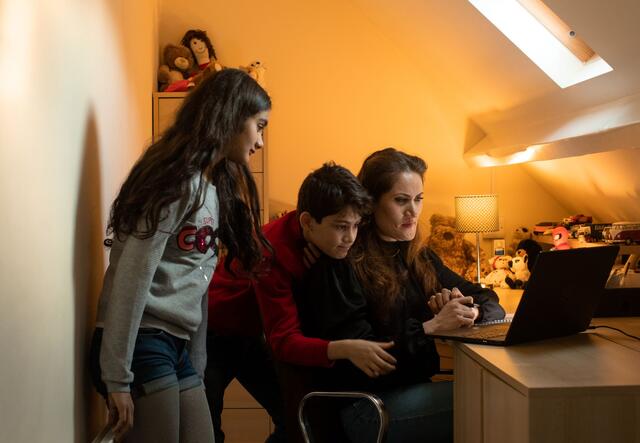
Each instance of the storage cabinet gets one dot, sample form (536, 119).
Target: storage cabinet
(243, 419)
(165, 106)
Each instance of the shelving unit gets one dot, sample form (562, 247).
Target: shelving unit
(624, 249)
(165, 106)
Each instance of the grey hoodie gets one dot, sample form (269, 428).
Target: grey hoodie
(159, 282)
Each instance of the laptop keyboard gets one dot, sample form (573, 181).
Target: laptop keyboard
(496, 330)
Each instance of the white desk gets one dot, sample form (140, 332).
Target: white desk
(583, 388)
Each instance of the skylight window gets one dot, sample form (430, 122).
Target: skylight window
(545, 39)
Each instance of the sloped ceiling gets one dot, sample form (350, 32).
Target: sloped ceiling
(506, 95)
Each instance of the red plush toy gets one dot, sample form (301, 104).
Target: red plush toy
(560, 238)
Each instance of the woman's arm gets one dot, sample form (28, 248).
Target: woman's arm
(486, 298)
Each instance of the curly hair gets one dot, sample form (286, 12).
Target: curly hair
(205, 123)
(377, 269)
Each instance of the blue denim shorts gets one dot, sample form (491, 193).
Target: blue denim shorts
(160, 361)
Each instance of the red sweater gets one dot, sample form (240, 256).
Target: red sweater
(237, 303)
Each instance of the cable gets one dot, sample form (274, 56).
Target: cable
(615, 329)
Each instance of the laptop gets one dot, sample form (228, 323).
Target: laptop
(560, 299)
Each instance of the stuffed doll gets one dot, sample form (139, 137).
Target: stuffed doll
(457, 253)
(501, 271)
(560, 238)
(531, 248)
(518, 266)
(202, 49)
(178, 67)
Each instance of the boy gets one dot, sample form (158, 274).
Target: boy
(331, 203)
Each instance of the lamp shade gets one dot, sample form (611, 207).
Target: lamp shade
(477, 213)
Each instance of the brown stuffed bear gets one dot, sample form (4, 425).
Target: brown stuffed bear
(458, 254)
(178, 66)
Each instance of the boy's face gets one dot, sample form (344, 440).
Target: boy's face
(335, 234)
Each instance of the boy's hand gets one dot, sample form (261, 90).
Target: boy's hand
(369, 356)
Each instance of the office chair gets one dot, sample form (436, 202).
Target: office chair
(327, 423)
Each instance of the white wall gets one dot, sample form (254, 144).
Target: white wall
(75, 111)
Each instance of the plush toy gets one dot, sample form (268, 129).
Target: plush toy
(520, 233)
(519, 267)
(457, 253)
(531, 248)
(501, 271)
(178, 66)
(202, 49)
(560, 238)
(257, 71)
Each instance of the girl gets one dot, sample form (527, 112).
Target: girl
(395, 289)
(189, 189)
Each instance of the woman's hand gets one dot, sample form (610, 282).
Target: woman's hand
(454, 314)
(437, 301)
(369, 356)
(120, 413)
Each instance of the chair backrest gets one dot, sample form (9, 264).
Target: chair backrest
(315, 411)
(318, 425)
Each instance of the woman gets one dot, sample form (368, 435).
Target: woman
(189, 189)
(395, 289)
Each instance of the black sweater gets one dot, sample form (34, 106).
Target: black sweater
(333, 306)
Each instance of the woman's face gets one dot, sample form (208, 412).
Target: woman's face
(396, 212)
(245, 143)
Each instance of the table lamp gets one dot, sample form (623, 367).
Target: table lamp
(477, 213)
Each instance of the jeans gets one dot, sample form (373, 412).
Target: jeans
(160, 361)
(417, 413)
(248, 360)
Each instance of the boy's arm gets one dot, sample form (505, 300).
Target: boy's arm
(274, 294)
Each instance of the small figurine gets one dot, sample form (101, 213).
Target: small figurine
(560, 238)
(257, 71)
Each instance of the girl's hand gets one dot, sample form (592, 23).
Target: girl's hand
(120, 413)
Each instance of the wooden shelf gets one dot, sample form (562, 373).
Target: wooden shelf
(574, 243)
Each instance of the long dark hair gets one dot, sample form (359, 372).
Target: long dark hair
(194, 145)
(375, 267)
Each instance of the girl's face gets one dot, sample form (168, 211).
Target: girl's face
(397, 211)
(245, 143)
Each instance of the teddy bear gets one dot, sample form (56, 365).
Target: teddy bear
(257, 71)
(519, 267)
(501, 271)
(519, 234)
(457, 253)
(178, 67)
